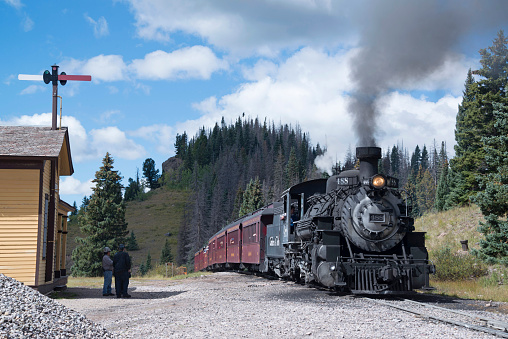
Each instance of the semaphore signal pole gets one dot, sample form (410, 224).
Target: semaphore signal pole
(53, 77)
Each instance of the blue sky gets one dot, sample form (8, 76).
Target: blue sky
(161, 67)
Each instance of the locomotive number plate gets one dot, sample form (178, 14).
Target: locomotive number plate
(376, 217)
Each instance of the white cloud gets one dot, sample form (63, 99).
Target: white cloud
(110, 116)
(32, 89)
(106, 68)
(87, 146)
(162, 136)
(101, 67)
(100, 27)
(197, 62)
(14, 3)
(308, 88)
(261, 27)
(114, 141)
(71, 185)
(419, 121)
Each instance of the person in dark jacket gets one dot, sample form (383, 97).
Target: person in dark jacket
(122, 269)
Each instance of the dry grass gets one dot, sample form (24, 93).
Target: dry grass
(471, 289)
(447, 229)
(93, 282)
(151, 219)
(97, 282)
(450, 227)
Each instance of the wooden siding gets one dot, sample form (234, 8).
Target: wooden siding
(19, 215)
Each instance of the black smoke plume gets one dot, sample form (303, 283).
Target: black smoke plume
(402, 41)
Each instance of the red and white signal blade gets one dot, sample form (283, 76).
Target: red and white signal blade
(74, 77)
(30, 77)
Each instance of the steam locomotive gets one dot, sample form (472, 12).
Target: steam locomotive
(351, 232)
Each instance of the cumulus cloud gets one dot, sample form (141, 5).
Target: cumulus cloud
(101, 67)
(241, 27)
(115, 141)
(196, 62)
(418, 120)
(86, 146)
(100, 27)
(161, 135)
(71, 185)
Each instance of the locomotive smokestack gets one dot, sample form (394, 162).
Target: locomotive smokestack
(368, 157)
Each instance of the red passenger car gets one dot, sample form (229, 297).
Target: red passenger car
(234, 237)
(212, 251)
(221, 248)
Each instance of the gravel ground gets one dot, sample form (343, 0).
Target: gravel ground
(234, 305)
(25, 313)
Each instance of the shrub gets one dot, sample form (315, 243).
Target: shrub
(457, 266)
(495, 278)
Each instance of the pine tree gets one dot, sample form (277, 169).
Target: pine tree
(252, 197)
(493, 198)
(142, 269)
(166, 255)
(395, 162)
(132, 243)
(424, 159)
(148, 264)
(75, 206)
(103, 221)
(150, 173)
(134, 188)
(475, 118)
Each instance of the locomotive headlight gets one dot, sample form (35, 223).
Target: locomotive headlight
(378, 181)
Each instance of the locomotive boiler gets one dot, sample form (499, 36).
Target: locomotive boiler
(351, 232)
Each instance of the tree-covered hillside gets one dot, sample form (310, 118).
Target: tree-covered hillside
(218, 164)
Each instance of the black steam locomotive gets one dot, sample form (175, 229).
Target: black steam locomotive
(350, 232)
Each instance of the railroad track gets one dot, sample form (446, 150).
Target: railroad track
(450, 316)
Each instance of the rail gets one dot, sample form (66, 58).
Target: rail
(470, 321)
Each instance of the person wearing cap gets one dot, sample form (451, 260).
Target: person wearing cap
(107, 267)
(122, 269)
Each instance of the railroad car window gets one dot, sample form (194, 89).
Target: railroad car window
(246, 235)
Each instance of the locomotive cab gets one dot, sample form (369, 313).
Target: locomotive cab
(295, 206)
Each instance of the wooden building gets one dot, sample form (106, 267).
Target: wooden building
(33, 219)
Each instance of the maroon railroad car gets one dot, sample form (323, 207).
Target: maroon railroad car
(212, 251)
(234, 237)
(252, 251)
(221, 249)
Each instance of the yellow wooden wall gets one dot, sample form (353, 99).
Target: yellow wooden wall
(19, 208)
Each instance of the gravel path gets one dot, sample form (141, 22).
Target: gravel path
(233, 305)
